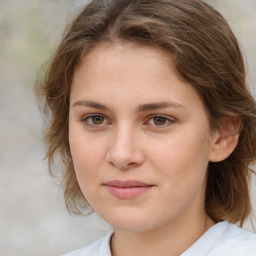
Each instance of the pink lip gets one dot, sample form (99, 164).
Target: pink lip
(127, 189)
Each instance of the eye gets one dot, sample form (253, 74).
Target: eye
(97, 119)
(94, 120)
(160, 120)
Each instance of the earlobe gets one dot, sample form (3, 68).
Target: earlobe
(225, 142)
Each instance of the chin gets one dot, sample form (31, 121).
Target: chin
(130, 226)
(129, 222)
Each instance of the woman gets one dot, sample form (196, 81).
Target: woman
(155, 127)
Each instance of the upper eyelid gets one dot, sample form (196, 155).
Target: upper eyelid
(149, 116)
(83, 117)
(164, 116)
(161, 115)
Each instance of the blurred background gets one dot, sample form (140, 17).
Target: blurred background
(33, 218)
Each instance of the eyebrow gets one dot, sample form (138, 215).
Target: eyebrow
(159, 105)
(140, 108)
(90, 104)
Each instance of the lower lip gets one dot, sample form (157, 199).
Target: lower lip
(127, 192)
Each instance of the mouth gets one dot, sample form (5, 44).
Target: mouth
(128, 189)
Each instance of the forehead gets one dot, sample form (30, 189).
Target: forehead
(125, 53)
(126, 60)
(132, 74)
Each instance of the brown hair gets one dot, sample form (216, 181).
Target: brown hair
(205, 53)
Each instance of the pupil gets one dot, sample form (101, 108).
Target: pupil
(159, 120)
(97, 119)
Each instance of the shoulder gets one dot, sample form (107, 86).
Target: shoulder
(235, 235)
(224, 239)
(237, 241)
(100, 247)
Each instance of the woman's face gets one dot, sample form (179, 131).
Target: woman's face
(139, 138)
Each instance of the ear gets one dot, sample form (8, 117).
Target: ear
(225, 141)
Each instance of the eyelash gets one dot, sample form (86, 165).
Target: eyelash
(167, 120)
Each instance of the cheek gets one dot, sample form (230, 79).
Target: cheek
(183, 159)
(182, 168)
(85, 154)
(85, 160)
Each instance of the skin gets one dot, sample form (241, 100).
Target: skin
(124, 86)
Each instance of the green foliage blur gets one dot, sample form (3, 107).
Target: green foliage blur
(29, 32)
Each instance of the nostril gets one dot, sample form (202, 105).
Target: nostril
(124, 166)
(122, 163)
(124, 152)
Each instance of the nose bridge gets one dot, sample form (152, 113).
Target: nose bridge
(123, 136)
(125, 151)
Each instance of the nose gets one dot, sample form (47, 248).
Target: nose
(125, 151)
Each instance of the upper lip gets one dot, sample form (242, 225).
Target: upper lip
(126, 183)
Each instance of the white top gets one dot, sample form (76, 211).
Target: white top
(222, 239)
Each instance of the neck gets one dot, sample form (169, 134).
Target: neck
(170, 239)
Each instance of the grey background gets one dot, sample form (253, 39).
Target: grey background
(33, 218)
